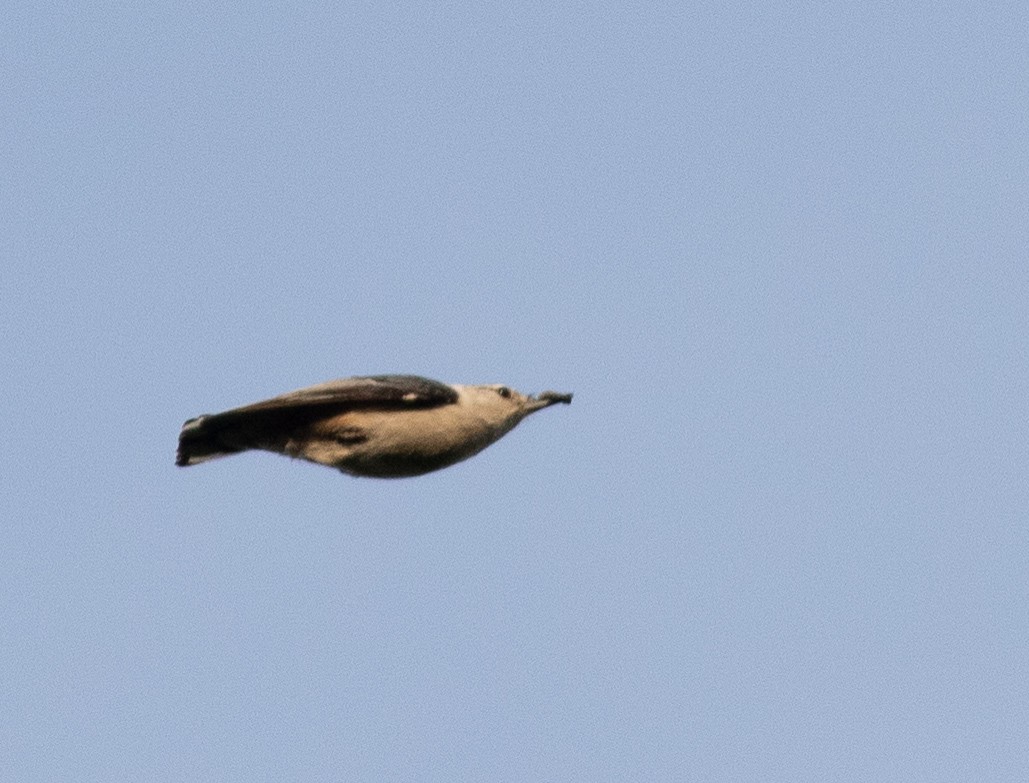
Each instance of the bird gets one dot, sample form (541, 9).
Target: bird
(381, 426)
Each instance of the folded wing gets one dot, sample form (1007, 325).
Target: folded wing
(270, 424)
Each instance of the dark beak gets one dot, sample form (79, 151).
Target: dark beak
(548, 398)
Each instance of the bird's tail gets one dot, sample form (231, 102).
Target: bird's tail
(200, 442)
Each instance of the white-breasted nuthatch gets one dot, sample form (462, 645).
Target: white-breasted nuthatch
(386, 426)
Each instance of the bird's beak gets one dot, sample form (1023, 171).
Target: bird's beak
(548, 398)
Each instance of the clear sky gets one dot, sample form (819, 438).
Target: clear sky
(777, 250)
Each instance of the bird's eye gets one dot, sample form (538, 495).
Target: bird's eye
(504, 392)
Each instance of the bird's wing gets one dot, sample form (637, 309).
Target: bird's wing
(263, 424)
(375, 391)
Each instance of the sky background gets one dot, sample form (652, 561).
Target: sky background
(777, 250)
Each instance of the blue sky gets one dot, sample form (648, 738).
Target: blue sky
(777, 250)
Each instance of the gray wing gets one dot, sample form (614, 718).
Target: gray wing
(270, 421)
(378, 391)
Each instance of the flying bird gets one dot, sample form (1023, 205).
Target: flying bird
(385, 426)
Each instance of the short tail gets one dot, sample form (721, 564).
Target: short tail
(200, 442)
